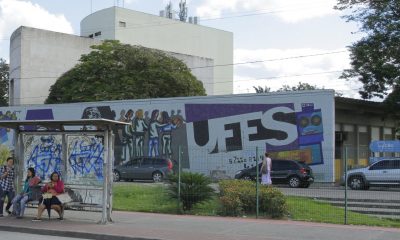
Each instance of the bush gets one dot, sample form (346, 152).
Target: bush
(238, 197)
(194, 189)
(4, 153)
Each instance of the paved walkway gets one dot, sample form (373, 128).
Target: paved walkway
(132, 225)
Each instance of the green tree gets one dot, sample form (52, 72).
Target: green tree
(286, 88)
(115, 71)
(300, 87)
(194, 188)
(260, 89)
(375, 59)
(4, 78)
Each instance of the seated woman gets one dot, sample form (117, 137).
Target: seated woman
(25, 195)
(51, 189)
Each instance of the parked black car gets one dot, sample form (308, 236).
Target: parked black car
(294, 173)
(143, 168)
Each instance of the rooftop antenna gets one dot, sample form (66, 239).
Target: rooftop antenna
(168, 11)
(183, 10)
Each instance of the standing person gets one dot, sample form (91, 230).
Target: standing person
(25, 195)
(266, 170)
(53, 188)
(7, 185)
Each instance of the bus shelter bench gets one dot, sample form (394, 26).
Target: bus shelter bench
(74, 204)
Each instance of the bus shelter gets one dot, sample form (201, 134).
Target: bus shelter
(81, 151)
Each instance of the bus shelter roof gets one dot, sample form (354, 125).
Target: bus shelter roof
(59, 124)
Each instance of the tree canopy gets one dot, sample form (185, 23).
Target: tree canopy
(115, 71)
(375, 59)
(4, 78)
(286, 88)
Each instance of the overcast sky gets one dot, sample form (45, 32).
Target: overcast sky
(277, 33)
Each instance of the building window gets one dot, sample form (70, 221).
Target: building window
(122, 24)
(97, 34)
(91, 36)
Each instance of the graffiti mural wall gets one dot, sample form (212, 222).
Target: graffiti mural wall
(43, 152)
(218, 133)
(85, 157)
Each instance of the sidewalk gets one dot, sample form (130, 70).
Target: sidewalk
(132, 225)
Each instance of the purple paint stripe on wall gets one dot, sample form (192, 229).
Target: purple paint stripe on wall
(39, 114)
(201, 112)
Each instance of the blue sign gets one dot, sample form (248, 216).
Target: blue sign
(385, 146)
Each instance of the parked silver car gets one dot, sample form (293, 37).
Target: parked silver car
(143, 168)
(385, 172)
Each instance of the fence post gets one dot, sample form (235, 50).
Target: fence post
(257, 193)
(345, 185)
(179, 177)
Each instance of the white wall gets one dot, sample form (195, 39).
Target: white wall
(169, 35)
(38, 57)
(244, 119)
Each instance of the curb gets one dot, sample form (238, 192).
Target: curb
(81, 235)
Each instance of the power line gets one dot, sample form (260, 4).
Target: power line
(234, 64)
(157, 23)
(242, 80)
(272, 60)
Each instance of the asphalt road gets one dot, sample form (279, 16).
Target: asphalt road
(25, 236)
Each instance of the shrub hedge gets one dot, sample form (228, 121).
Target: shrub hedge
(238, 197)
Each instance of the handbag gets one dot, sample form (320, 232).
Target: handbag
(64, 198)
(47, 195)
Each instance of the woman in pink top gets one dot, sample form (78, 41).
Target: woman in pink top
(53, 188)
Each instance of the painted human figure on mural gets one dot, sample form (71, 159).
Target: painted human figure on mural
(166, 134)
(127, 137)
(154, 125)
(179, 116)
(139, 128)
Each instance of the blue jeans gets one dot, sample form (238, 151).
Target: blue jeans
(3, 195)
(19, 204)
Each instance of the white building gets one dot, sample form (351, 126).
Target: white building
(38, 57)
(137, 28)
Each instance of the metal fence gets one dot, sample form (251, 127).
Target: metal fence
(369, 196)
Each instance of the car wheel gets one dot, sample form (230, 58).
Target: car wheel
(157, 177)
(356, 183)
(294, 182)
(247, 178)
(116, 176)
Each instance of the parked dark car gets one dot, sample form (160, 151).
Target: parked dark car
(143, 168)
(294, 173)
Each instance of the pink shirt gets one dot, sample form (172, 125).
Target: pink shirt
(57, 189)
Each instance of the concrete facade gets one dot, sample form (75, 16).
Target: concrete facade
(37, 58)
(357, 123)
(137, 28)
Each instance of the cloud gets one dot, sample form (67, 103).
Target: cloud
(291, 11)
(322, 71)
(14, 13)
